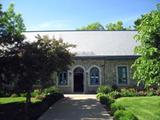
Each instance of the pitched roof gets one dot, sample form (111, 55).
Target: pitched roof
(94, 43)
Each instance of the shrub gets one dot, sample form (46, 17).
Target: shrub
(36, 92)
(40, 97)
(158, 92)
(115, 107)
(128, 92)
(106, 99)
(23, 94)
(14, 95)
(115, 94)
(141, 93)
(104, 89)
(99, 94)
(52, 90)
(4, 93)
(124, 115)
(151, 92)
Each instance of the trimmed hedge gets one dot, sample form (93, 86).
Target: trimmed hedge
(115, 107)
(51, 90)
(104, 89)
(106, 99)
(128, 92)
(124, 115)
(115, 94)
(98, 95)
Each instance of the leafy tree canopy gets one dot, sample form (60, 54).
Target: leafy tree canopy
(147, 67)
(116, 26)
(24, 63)
(11, 27)
(11, 40)
(111, 26)
(41, 59)
(92, 26)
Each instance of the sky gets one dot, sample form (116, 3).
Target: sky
(72, 14)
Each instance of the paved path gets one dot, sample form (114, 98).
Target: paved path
(76, 107)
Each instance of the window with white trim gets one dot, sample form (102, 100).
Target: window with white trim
(122, 75)
(62, 78)
(94, 76)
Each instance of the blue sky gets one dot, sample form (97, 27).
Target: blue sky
(72, 14)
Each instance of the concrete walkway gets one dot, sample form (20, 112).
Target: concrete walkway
(76, 107)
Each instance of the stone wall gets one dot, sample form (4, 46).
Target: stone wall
(108, 73)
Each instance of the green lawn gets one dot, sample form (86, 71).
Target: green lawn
(145, 108)
(6, 100)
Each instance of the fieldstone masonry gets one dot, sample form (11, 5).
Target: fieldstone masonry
(107, 68)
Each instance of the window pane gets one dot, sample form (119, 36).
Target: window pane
(122, 75)
(94, 76)
(62, 78)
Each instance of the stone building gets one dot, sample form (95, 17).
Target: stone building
(103, 58)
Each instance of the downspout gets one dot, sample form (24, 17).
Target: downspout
(104, 64)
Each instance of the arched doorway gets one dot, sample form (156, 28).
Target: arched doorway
(78, 79)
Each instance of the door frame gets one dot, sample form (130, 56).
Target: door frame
(84, 78)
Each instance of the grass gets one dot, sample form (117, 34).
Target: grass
(6, 100)
(13, 108)
(145, 108)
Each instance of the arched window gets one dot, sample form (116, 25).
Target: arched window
(94, 76)
(62, 78)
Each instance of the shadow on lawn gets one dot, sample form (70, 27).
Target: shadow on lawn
(16, 111)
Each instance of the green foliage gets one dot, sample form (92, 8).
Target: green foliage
(36, 92)
(11, 41)
(124, 115)
(115, 107)
(106, 100)
(98, 95)
(115, 94)
(111, 26)
(23, 63)
(147, 66)
(23, 94)
(11, 27)
(14, 95)
(50, 55)
(92, 26)
(141, 93)
(116, 26)
(9, 100)
(52, 90)
(128, 92)
(104, 89)
(41, 94)
(142, 105)
(158, 92)
(151, 92)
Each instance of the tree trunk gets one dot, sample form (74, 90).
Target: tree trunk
(28, 101)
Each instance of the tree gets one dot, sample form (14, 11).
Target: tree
(93, 26)
(39, 60)
(11, 39)
(116, 26)
(111, 26)
(24, 63)
(147, 66)
(51, 55)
